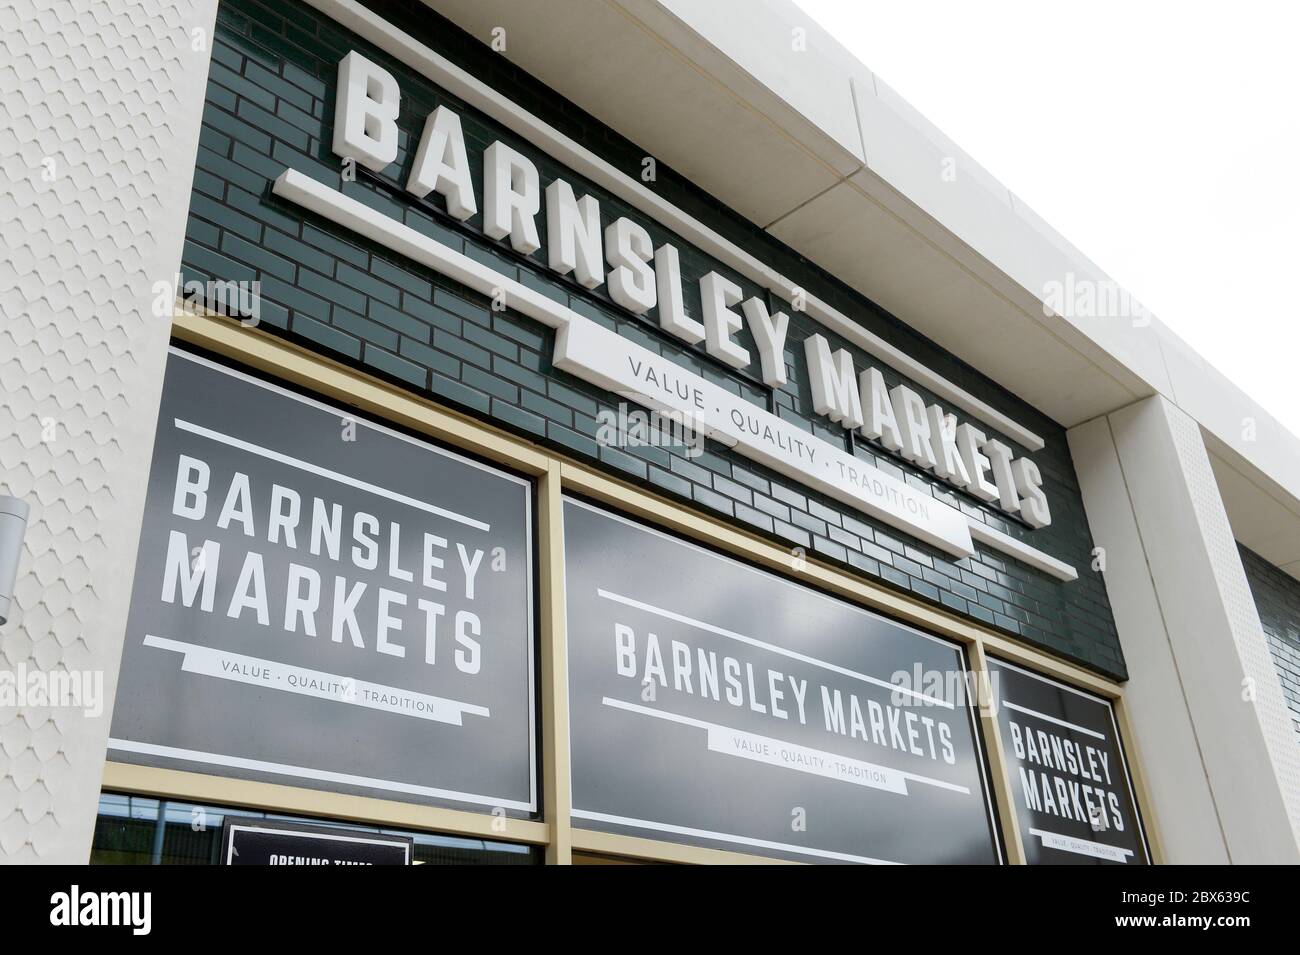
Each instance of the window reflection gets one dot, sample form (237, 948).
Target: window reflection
(144, 830)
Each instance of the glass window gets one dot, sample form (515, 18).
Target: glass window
(144, 830)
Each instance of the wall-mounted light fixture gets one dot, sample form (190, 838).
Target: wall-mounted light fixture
(13, 525)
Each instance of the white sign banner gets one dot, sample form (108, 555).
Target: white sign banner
(804, 759)
(602, 357)
(729, 741)
(223, 665)
(1083, 847)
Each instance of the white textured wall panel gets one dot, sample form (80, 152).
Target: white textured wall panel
(1241, 723)
(100, 102)
(1243, 617)
(1186, 815)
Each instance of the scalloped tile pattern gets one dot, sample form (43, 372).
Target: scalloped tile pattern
(99, 117)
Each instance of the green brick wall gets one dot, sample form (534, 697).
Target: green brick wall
(1277, 598)
(270, 106)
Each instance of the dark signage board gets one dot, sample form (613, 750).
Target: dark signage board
(1074, 797)
(324, 602)
(268, 842)
(719, 705)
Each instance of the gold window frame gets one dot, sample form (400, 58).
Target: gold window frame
(556, 475)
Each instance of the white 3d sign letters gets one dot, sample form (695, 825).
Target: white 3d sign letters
(831, 377)
(365, 117)
(1029, 484)
(970, 440)
(672, 312)
(639, 276)
(623, 257)
(718, 294)
(442, 166)
(948, 463)
(573, 235)
(631, 281)
(511, 197)
(879, 410)
(927, 436)
(769, 334)
(909, 411)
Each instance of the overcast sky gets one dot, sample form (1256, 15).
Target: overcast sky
(1162, 139)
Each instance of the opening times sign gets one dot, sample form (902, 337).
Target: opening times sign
(251, 841)
(1074, 797)
(716, 704)
(324, 602)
